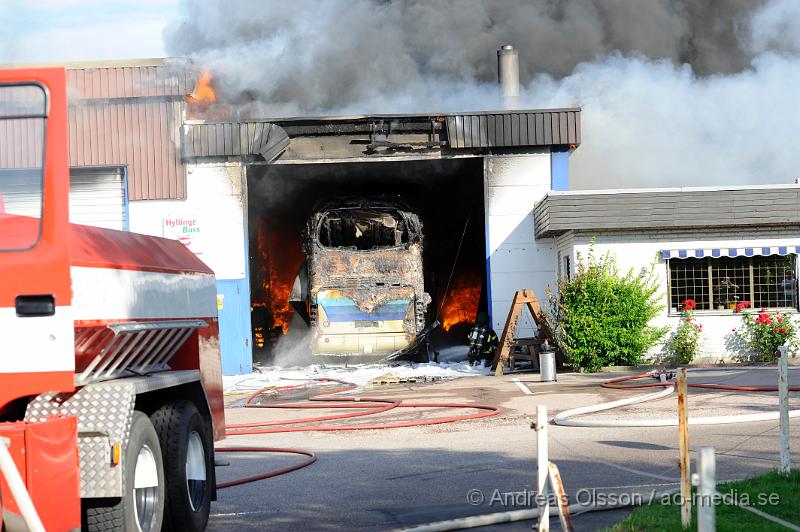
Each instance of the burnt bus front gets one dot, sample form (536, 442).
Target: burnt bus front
(365, 280)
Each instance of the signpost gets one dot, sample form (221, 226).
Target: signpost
(683, 446)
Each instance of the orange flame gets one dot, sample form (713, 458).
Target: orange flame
(281, 255)
(203, 100)
(461, 303)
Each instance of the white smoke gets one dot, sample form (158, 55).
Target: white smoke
(673, 92)
(651, 124)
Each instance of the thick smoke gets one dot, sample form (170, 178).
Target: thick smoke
(674, 92)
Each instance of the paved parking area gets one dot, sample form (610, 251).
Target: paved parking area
(381, 480)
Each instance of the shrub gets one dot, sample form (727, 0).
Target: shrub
(601, 318)
(765, 331)
(685, 340)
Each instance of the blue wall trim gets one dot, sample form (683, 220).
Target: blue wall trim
(559, 169)
(247, 326)
(125, 199)
(486, 240)
(235, 330)
(233, 318)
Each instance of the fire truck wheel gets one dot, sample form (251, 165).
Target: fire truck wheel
(187, 448)
(142, 507)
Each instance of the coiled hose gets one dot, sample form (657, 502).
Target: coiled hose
(322, 400)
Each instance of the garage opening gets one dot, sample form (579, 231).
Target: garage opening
(445, 194)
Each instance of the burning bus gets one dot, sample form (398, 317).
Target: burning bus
(362, 289)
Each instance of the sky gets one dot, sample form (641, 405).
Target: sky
(37, 31)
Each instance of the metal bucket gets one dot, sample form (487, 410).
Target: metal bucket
(547, 366)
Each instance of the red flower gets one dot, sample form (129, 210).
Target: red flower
(777, 329)
(689, 304)
(783, 330)
(688, 320)
(780, 320)
(741, 306)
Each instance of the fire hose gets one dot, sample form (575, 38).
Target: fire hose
(565, 418)
(365, 405)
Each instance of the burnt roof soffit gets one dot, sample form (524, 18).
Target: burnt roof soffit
(262, 140)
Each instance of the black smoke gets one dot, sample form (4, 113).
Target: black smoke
(674, 92)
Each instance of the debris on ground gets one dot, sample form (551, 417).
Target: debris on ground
(361, 375)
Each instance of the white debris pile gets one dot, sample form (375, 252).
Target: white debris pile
(360, 375)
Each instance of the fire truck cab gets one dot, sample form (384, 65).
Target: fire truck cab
(110, 378)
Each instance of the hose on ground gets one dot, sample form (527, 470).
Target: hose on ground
(365, 406)
(282, 471)
(565, 418)
(512, 516)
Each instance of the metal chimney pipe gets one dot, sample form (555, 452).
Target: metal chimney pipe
(508, 76)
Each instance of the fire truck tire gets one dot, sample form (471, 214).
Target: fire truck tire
(141, 508)
(187, 447)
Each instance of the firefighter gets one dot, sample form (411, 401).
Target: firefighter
(482, 341)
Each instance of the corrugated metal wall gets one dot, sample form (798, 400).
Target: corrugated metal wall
(131, 116)
(21, 143)
(223, 139)
(515, 128)
(22, 108)
(118, 116)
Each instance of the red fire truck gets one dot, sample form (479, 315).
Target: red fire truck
(110, 379)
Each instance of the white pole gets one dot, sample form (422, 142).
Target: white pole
(542, 468)
(706, 510)
(783, 405)
(18, 489)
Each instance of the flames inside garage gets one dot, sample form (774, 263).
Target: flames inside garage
(445, 194)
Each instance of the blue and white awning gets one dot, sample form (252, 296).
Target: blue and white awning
(728, 252)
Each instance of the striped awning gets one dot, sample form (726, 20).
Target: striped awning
(728, 252)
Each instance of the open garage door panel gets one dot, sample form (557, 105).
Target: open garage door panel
(445, 194)
(97, 196)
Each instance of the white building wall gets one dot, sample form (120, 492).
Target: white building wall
(638, 250)
(216, 200)
(213, 217)
(516, 260)
(564, 245)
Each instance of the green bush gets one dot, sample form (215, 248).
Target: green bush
(684, 342)
(765, 331)
(601, 318)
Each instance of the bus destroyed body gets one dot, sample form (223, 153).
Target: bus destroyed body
(362, 289)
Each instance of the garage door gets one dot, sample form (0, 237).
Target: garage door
(97, 196)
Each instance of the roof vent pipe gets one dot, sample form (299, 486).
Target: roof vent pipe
(508, 76)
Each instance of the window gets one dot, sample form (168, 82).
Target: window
(23, 109)
(363, 229)
(720, 283)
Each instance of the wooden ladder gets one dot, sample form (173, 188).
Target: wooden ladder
(505, 354)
